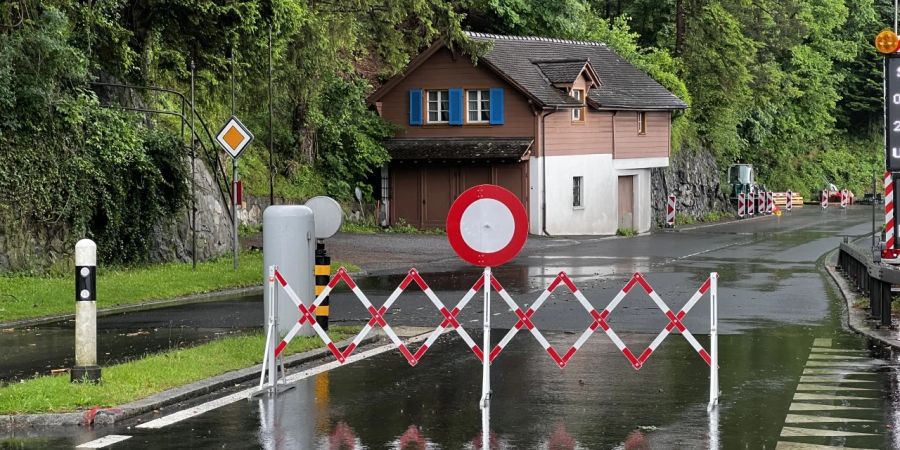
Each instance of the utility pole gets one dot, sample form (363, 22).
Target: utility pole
(271, 136)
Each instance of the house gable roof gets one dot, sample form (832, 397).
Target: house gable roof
(537, 66)
(622, 86)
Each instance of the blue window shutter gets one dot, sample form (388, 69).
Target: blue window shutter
(415, 107)
(456, 106)
(497, 106)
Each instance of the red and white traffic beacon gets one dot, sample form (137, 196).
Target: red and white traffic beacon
(487, 226)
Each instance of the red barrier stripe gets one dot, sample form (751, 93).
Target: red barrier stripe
(280, 347)
(569, 354)
(705, 286)
(478, 284)
(496, 284)
(409, 356)
(347, 351)
(555, 282)
(421, 351)
(477, 350)
(705, 357)
(496, 351)
(280, 278)
(555, 356)
(630, 284)
(337, 353)
(645, 355)
(569, 283)
(644, 284)
(634, 361)
(405, 283)
(420, 281)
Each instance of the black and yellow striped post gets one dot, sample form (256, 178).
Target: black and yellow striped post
(323, 276)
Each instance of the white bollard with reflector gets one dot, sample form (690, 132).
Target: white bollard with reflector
(742, 207)
(86, 368)
(824, 199)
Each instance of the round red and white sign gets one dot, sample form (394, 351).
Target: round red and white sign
(487, 225)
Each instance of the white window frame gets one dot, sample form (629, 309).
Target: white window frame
(578, 192)
(443, 96)
(578, 113)
(641, 123)
(481, 96)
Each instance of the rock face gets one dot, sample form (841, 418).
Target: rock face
(693, 176)
(43, 247)
(173, 239)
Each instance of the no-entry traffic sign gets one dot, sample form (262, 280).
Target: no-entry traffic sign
(487, 225)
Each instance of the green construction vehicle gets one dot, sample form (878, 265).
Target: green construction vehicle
(742, 179)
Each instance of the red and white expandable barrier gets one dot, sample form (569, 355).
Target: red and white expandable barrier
(761, 202)
(742, 207)
(770, 202)
(824, 199)
(789, 201)
(889, 225)
(845, 198)
(273, 350)
(670, 210)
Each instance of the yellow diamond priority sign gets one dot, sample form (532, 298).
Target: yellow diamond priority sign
(234, 137)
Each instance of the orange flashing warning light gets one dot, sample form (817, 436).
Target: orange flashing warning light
(887, 42)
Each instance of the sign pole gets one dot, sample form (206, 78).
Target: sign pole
(234, 210)
(486, 365)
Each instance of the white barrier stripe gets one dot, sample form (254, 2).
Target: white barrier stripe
(362, 297)
(434, 336)
(659, 303)
(509, 301)
(323, 335)
(362, 335)
(296, 328)
(390, 333)
(540, 338)
(293, 295)
(465, 336)
(615, 338)
(584, 302)
(659, 339)
(321, 298)
(540, 300)
(583, 338)
(693, 301)
(615, 301)
(509, 335)
(690, 338)
(434, 299)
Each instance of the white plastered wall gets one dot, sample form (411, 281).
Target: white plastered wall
(599, 214)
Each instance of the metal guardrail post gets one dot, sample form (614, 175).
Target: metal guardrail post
(875, 299)
(886, 305)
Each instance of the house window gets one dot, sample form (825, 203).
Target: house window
(578, 113)
(479, 106)
(577, 192)
(642, 123)
(438, 107)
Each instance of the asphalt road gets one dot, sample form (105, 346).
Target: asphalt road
(791, 377)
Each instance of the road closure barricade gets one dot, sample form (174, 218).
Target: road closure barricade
(277, 283)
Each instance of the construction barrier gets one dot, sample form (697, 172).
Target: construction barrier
(770, 203)
(844, 198)
(742, 207)
(889, 225)
(751, 202)
(488, 282)
(761, 202)
(670, 210)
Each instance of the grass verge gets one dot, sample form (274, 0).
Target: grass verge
(23, 297)
(134, 380)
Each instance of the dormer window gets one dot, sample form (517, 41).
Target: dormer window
(578, 113)
(438, 106)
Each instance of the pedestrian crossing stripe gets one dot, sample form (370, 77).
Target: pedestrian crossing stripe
(832, 379)
(832, 388)
(822, 342)
(838, 357)
(805, 396)
(784, 445)
(818, 407)
(799, 418)
(818, 432)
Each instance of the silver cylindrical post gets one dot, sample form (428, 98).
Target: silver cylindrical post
(713, 340)
(86, 368)
(486, 365)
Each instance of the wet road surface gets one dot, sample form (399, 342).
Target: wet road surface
(789, 374)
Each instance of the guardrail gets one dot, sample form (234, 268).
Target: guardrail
(871, 278)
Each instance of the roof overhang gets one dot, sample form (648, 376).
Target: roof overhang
(459, 149)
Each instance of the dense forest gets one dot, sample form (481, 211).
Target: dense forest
(793, 87)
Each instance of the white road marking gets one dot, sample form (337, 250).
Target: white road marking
(105, 441)
(617, 258)
(822, 342)
(837, 350)
(804, 446)
(805, 396)
(838, 357)
(798, 418)
(830, 388)
(832, 379)
(838, 364)
(834, 371)
(807, 432)
(818, 407)
(229, 399)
